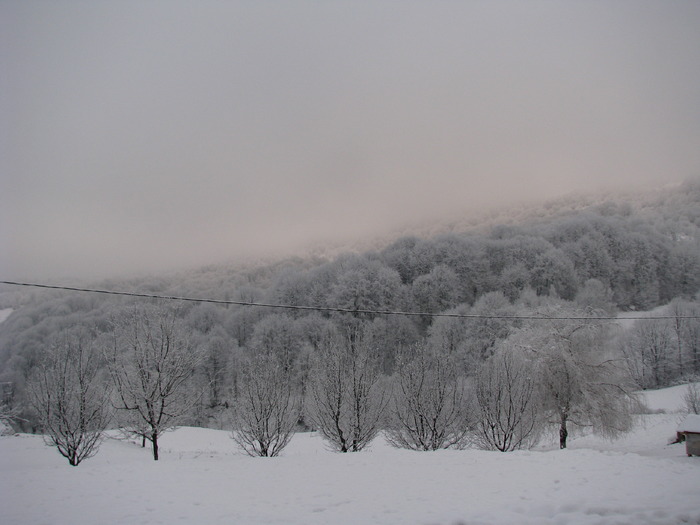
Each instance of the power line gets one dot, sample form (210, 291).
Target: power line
(343, 310)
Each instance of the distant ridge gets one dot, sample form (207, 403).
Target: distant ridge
(523, 213)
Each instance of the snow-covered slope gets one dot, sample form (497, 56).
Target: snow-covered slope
(203, 478)
(666, 399)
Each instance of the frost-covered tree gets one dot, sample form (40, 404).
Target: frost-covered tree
(649, 349)
(430, 407)
(509, 409)
(8, 416)
(483, 333)
(450, 333)
(591, 257)
(279, 335)
(389, 335)
(580, 383)
(364, 284)
(267, 408)
(553, 271)
(214, 366)
(685, 323)
(436, 291)
(678, 321)
(690, 334)
(513, 280)
(71, 398)
(409, 256)
(636, 277)
(346, 396)
(150, 362)
(691, 398)
(681, 276)
(595, 296)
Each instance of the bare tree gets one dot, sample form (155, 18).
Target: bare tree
(150, 363)
(9, 415)
(691, 398)
(483, 334)
(677, 310)
(267, 409)
(648, 350)
(686, 325)
(691, 339)
(508, 401)
(71, 398)
(346, 397)
(430, 407)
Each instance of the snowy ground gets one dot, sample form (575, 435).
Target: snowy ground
(627, 320)
(202, 478)
(5, 313)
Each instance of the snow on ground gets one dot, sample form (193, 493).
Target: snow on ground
(691, 423)
(627, 320)
(203, 478)
(5, 313)
(667, 399)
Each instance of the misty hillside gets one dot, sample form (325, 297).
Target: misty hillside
(584, 253)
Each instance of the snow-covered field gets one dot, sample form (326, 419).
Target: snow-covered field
(202, 478)
(5, 313)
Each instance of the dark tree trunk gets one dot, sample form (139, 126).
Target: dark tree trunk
(563, 433)
(154, 440)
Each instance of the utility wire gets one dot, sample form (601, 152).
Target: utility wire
(345, 310)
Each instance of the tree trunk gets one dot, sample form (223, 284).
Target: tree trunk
(563, 433)
(154, 440)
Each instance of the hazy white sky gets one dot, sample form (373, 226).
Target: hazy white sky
(138, 136)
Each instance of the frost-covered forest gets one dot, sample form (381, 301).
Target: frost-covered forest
(531, 300)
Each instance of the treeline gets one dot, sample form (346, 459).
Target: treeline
(140, 376)
(601, 259)
(548, 364)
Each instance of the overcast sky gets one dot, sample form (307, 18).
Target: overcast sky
(146, 136)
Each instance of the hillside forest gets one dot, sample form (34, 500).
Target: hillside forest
(425, 328)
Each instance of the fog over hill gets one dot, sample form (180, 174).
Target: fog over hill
(521, 282)
(518, 213)
(151, 137)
